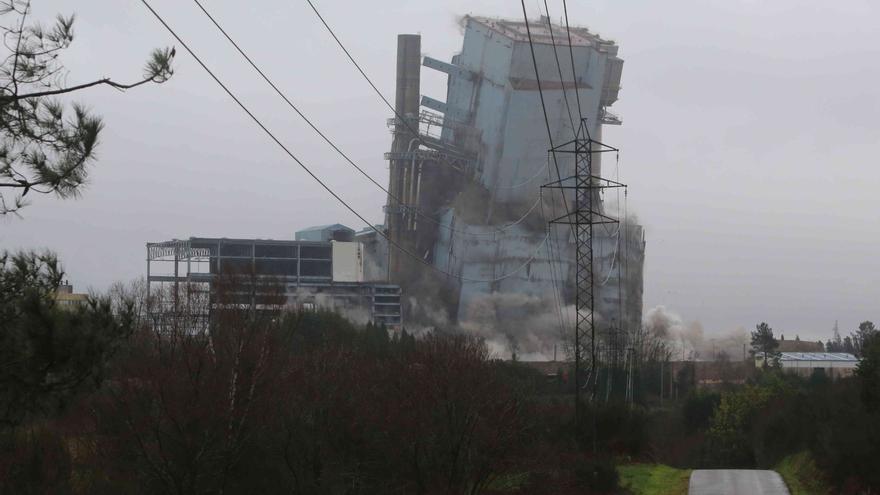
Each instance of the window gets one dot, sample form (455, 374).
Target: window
(316, 269)
(276, 267)
(316, 252)
(275, 251)
(235, 266)
(236, 249)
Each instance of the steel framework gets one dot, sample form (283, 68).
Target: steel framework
(586, 187)
(299, 271)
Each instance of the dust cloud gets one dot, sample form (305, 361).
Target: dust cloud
(521, 324)
(689, 341)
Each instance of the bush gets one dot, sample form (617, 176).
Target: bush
(845, 437)
(802, 476)
(619, 429)
(307, 403)
(698, 408)
(783, 427)
(597, 474)
(34, 459)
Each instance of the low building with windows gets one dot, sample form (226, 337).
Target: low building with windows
(313, 272)
(832, 364)
(66, 298)
(334, 232)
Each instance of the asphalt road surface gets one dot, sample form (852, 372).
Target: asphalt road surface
(736, 482)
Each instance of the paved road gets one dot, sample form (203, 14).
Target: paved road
(736, 482)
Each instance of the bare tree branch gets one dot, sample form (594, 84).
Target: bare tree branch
(18, 45)
(40, 94)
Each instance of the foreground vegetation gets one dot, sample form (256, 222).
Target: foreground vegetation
(802, 475)
(106, 398)
(654, 479)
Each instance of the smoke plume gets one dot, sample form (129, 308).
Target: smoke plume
(688, 340)
(511, 323)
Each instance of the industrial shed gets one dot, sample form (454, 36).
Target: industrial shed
(315, 271)
(833, 364)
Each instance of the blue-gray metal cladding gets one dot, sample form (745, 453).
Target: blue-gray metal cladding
(492, 89)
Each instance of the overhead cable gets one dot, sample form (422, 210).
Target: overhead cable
(549, 133)
(400, 118)
(544, 109)
(571, 54)
(320, 133)
(557, 293)
(559, 68)
(317, 179)
(527, 181)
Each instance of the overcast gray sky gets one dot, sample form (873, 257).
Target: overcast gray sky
(750, 140)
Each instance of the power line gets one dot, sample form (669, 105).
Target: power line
(287, 100)
(539, 173)
(577, 93)
(544, 108)
(406, 123)
(538, 80)
(550, 138)
(557, 255)
(557, 294)
(400, 118)
(328, 140)
(312, 174)
(559, 68)
(620, 239)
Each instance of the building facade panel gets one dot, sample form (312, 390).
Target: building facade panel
(304, 274)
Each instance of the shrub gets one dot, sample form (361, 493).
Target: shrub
(597, 474)
(698, 408)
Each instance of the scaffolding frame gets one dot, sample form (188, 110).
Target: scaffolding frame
(262, 265)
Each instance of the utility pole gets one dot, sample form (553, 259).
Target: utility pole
(630, 353)
(661, 383)
(586, 188)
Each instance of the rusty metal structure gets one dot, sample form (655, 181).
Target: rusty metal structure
(418, 161)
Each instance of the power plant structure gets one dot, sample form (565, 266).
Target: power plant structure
(466, 197)
(323, 268)
(466, 176)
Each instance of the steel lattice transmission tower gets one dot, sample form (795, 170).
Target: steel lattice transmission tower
(586, 213)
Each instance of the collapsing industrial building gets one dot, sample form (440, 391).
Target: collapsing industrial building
(467, 240)
(322, 269)
(465, 191)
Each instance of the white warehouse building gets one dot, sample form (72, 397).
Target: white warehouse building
(833, 364)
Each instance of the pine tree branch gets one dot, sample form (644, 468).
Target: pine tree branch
(11, 98)
(18, 46)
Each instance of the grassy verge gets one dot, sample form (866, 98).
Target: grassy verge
(653, 479)
(802, 476)
(511, 482)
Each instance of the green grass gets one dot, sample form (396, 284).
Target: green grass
(802, 476)
(653, 479)
(511, 482)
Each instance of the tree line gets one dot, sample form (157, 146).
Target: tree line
(110, 397)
